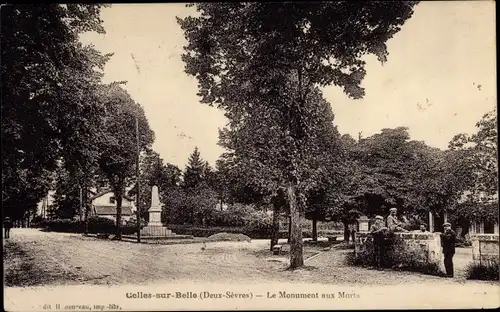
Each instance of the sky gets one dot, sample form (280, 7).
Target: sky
(439, 79)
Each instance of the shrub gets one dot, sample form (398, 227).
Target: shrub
(228, 237)
(484, 270)
(239, 215)
(65, 225)
(400, 255)
(37, 221)
(253, 233)
(101, 225)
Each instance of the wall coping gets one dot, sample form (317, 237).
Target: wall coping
(408, 235)
(485, 237)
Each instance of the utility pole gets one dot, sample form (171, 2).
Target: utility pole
(137, 172)
(81, 202)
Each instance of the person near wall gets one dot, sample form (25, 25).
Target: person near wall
(7, 225)
(423, 228)
(352, 230)
(448, 240)
(377, 231)
(393, 224)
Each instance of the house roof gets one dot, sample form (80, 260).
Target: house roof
(106, 192)
(111, 210)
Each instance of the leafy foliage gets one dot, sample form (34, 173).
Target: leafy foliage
(478, 155)
(485, 270)
(261, 62)
(49, 104)
(118, 146)
(97, 225)
(153, 171)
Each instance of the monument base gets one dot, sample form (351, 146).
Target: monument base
(159, 232)
(156, 230)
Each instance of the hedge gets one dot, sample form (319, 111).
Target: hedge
(97, 225)
(248, 231)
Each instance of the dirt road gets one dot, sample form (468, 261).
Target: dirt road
(33, 257)
(64, 269)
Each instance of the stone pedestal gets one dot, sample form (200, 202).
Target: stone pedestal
(363, 224)
(152, 230)
(155, 209)
(485, 247)
(155, 230)
(155, 227)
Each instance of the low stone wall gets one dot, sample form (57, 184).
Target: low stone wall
(429, 242)
(485, 247)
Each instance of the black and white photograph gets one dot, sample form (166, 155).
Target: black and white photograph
(325, 155)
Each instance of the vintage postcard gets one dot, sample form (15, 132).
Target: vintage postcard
(327, 155)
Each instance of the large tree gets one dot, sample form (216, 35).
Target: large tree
(49, 105)
(118, 145)
(262, 60)
(476, 172)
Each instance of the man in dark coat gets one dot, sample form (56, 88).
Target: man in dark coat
(448, 239)
(378, 230)
(7, 224)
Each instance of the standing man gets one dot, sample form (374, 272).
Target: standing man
(378, 233)
(7, 224)
(393, 223)
(448, 239)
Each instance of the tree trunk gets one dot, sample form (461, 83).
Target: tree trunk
(346, 230)
(296, 256)
(86, 207)
(119, 199)
(276, 225)
(118, 235)
(315, 230)
(289, 229)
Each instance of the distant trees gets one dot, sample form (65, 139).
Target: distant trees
(476, 160)
(153, 171)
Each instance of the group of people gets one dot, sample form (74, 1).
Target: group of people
(380, 231)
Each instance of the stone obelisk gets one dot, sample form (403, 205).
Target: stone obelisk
(155, 228)
(155, 209)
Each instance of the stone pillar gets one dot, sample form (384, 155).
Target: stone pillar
(431, 222)
(445, 216)
(481, 227)
(363, 224)
(495, 228)
(155, 209)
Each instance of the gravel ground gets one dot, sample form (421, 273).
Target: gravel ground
(33, 257)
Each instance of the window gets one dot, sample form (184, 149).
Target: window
(112, 200)
(489, 227)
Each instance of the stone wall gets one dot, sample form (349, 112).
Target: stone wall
(429, 242)
(485, 247)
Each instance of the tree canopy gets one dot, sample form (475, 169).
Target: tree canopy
(49, 104)
(262, 61)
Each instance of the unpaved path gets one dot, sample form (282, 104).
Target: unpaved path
(33, 257)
